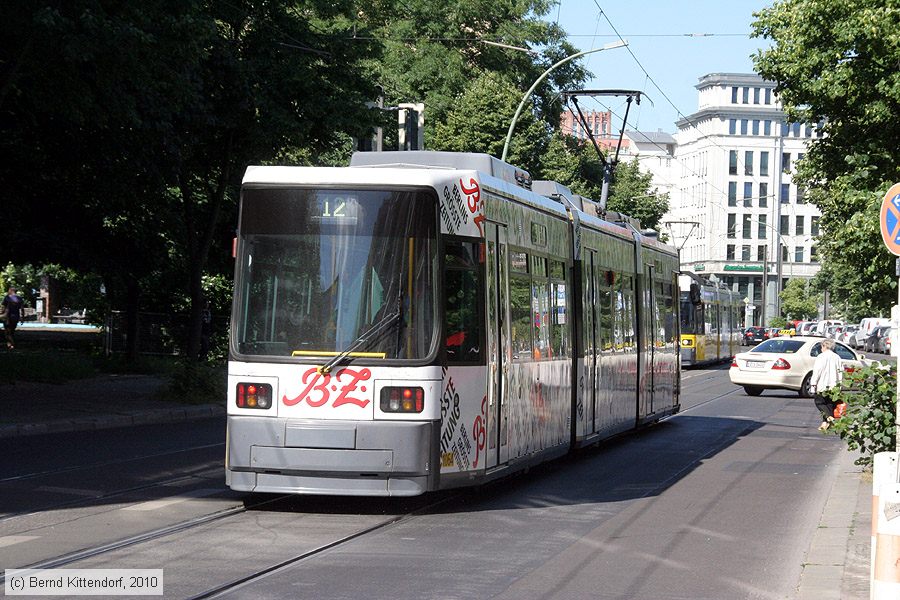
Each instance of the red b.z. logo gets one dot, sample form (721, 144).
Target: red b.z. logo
(320, 386)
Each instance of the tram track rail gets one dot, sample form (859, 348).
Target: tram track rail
(109, 463)
(153, 534)
(283, 565)
(90, 500)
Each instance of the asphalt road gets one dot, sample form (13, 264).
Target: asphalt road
(720, 501)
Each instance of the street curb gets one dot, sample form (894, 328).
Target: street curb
(143, 417)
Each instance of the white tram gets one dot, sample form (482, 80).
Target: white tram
(422, 320)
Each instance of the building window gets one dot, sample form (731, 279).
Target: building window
(732, 225)
(783, 225)
(767, 126)
(785, 193)
(745, 96)
(748, 162)
(761, 229)
(785, 162)
(801, 195)
(732, 193)
(755, 95)
(764, 163)
(732, 162)
(732, 126)
(763, 194)
(761, 253)
(800, 225)
(746, 227)
(814, 226)
(745, 253)
(813, 255)
(748, 193)
(784, 254)
(734, 95)
(798, 254)
(729, 252)
(795, 130)
(755, 126)
(768, 96)
(743, 126)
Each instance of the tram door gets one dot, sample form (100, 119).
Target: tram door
(499, 354)
(651, 325)
(591, 342)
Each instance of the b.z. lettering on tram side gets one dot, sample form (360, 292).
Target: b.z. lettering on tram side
(423, 320)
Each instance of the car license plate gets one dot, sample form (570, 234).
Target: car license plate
(756, 364)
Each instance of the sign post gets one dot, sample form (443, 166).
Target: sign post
(890, 234)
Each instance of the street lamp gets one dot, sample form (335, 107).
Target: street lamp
(512, 125)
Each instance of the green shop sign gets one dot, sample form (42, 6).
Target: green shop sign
(743, 268)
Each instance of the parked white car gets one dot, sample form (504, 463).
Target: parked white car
(786, 363)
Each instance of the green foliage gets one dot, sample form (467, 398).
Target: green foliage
(779, 322)
(197, 383)
(798, 301)
(630, 194)
(835, 62)
(869, 424)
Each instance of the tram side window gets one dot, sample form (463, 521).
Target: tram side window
(559, 333)
(605, 330)
(520, 306)
(629, 313)
(619, 318)
(463, 302)
(540, 301)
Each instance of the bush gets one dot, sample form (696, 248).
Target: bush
(869, 424)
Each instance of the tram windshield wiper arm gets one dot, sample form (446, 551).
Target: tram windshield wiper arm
(373, 332)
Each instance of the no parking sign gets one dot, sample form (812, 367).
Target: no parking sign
(890, 219)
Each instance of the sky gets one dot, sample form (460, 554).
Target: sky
(657, 35)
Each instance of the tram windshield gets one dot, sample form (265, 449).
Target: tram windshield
(689, 314)
(324, 271)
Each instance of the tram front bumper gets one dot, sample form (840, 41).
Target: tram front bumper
(368, 458)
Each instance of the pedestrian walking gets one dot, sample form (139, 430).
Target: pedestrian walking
(827, 373)
(12, 306)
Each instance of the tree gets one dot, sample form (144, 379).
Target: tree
(797, 303)
(834, 63)
(630, 193)
(434, 51)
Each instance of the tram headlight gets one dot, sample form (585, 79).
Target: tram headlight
(254, 395)
(402, 399)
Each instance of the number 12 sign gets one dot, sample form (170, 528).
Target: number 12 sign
(890, 219)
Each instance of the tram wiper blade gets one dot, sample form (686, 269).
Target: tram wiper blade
(376, 330)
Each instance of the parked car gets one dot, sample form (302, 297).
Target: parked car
(754, 335)
(786, 363)
(866, 327)
(774, 332)
(806, 327)
(832, 331)
(871, 344)
(848, 335)
(883, 343)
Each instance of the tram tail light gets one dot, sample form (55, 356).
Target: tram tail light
(402, 399)
(254, 395)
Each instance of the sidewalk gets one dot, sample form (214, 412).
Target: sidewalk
(100, 402)
(837, 562)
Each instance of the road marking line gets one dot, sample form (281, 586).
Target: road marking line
(12, 540)
(157, 504)
(73, 491)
